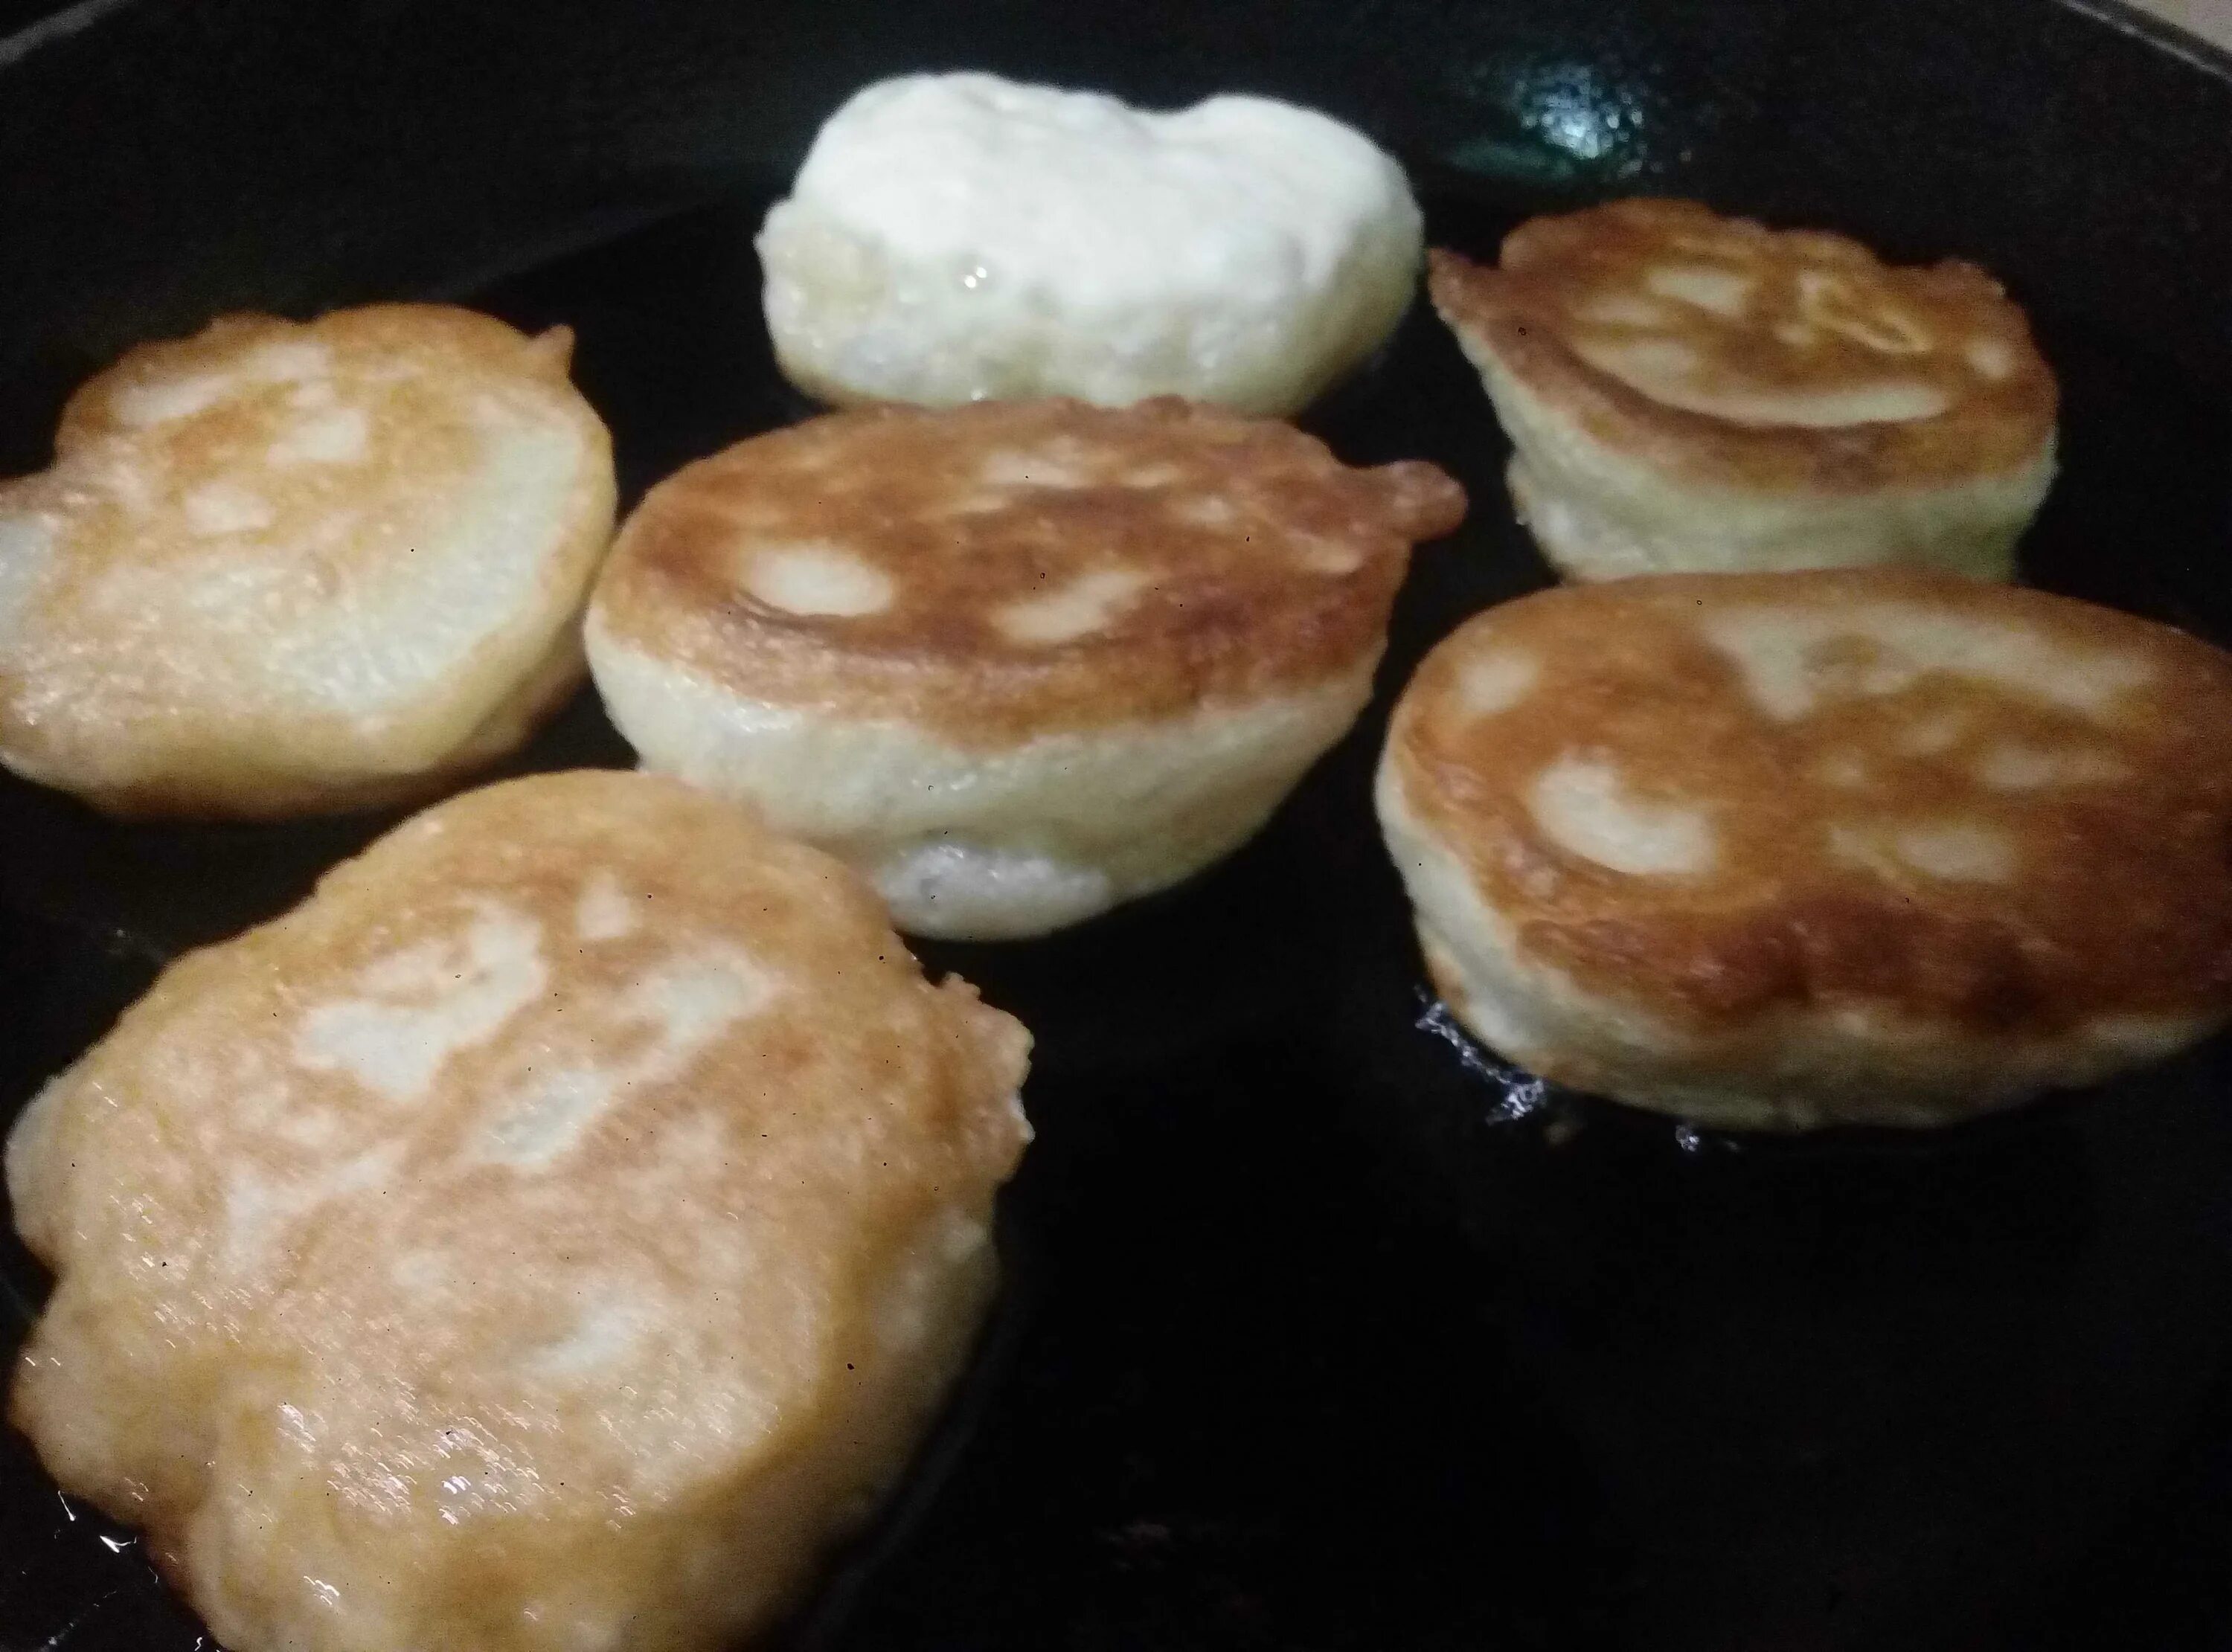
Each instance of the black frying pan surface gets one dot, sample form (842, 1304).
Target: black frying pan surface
(1325, 1330)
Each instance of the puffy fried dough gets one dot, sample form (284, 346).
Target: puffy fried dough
(959, 237)
(281, 569)
(546, 1237)
(1691, 393)
(1867, 845)
(1017, 661)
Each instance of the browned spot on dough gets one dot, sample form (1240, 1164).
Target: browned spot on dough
(1206, 531)
(1527, 311)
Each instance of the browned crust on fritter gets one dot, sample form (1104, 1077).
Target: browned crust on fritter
(1221, 516)
(861, 1101)
(2122, 904)
(468, 336)
(117, 491)
(1523, 313)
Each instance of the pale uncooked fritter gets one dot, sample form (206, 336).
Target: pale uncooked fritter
(1691, 393)
(1850, 847)
(546, 1239)
(1018, 661)
(282, 569)
(955, 237)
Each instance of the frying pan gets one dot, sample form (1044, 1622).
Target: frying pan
(1326, 1331)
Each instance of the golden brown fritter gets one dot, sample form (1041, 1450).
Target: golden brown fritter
(1006, 569)
(280, 568)
(1808, 834)
(549, 1235)
(1725, 352)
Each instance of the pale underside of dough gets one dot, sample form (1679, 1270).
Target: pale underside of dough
(985, 844)
(1598, 513)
